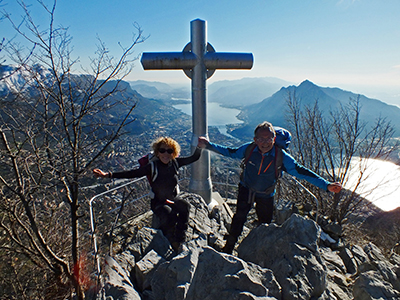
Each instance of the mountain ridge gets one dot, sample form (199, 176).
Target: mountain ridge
(148, 113)
(274, 108)
(152, 98)
(231, 93)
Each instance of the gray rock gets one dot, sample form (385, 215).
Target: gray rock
(335, 230)
(361, 258)
(204, 273)
(202, 222)
(335, 292)
(173, 279)
(371, 285)
(199, 221)
(283, 210)
(126, 261)
(117, 283)
(395, 259)
(291, 252)
(148, 239)
(339, 285)
(274, 262)
(349, 260)
(145, 268)
(332, 260)
(382, 264)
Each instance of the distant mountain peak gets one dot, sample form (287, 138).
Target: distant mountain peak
(274, 108)
(307, 83)
(304, 85)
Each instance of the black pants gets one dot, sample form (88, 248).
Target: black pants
(174, 218)
(264, 211)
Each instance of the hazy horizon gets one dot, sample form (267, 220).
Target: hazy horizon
(384, 96)
(349, 44)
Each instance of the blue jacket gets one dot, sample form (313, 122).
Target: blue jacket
(259, 173)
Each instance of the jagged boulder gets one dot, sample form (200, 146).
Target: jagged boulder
(338, 279)
(172, 280)
(283, 210)
(360, 256)
(349, 260)
(148, 239)
(379, 262)
(117, 282)
(291, 252)
(204, 273)
(371, 285)
(139, 240)
(145, 268)
(204, 222)
(288, 261)
(379, 277)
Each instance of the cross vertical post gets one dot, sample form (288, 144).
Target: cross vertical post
(199, 61)
(200, 182)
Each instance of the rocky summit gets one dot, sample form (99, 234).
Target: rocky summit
(294, 260)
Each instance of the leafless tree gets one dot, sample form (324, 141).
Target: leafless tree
(336, 142)
(54, 125)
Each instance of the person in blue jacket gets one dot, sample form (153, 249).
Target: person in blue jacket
(259, 178)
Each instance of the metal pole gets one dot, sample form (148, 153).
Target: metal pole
(199, 62)
(200, 182)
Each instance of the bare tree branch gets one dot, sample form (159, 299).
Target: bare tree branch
(331, 145)
(54, 125)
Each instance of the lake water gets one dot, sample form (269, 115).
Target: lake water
(218, 116)
(381, 183)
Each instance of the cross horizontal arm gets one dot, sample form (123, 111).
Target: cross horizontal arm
(168, 60)
(221, 60)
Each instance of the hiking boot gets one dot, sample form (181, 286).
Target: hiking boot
(176, 246)
(230, 245)
(228, 248)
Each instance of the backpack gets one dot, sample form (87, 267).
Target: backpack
(282, 141)
(151, 158)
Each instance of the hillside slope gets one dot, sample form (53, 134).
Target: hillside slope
(275, 108)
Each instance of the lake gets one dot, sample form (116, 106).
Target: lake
(218, 115)
(381, 181)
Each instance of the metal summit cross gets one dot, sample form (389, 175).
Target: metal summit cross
(199, 61)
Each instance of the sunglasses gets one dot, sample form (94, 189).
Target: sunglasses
(163, 150)
(265, 140)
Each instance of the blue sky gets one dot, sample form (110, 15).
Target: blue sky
(350, 44)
